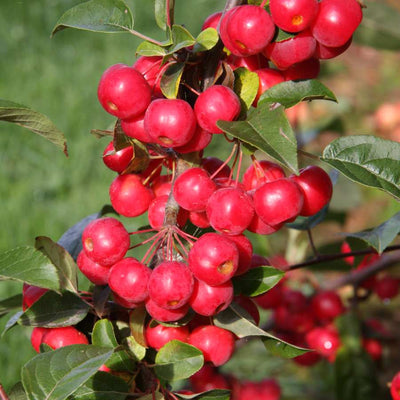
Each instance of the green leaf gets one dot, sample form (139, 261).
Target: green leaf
(268, 130)
(380, 25)
(103, 335)
(161, 13)
(355, 376)
(153, 396)
(137, 319)
(171, 79)
(34, 121)
(381, 236)
(57, 374)
(11, 304)
(290, 93)
(17, 392)
(108, 16)
(216, 394)
(306, 223)
(367, 160)
(282, 35)
(53, 310)
(149, 49)
(258, 280)
(67, 268)
(102, 386)
(12, 321)
(177, 360)
(246, 86)
(234, 320)
(26, 264)
(136, 350)
(181, 38)
(206, 40)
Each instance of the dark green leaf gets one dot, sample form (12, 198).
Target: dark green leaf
(290, 93)
(12, 321)
(177, 360)
(181, 38)
(234, 320)
(34, 121)
(161, 13)
(305, 223)
(108, 16)
(11, 304)
(53, 310)
(57, 374)
(17, 392)
(282, 35)
(368, 160)
(258, 280)
(380, 25)
(102, 386)
(206, 40)
(103, 336)
(100, 298)
(267, 129)
(246, 86)
(26, 264)
(381, 236)
(67, 268)
(216, 394)
(171, 79)
(355, 376)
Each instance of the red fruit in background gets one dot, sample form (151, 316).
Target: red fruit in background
(209, 300)
(252, 63)
(31, 294)
(278, 201)
(395, 387)
(163, 314)
(128, 279)
(160, 335)
(257, 225)
(212, 21)
(291, 51)
(105, 241)
(245, 249)
(316, 186)
(325, 53)
(324, 340)
(119, 160)
(134, 127)
(368, 259)
(37, 336)
(156, 213)
(216, 103)
(271, 299)
(258, 260)
(170, 122)
(208, 378)
(373, 347)
(162, 185)
(123, 91)
(230, 210)
(261, 172)
(96, 273)
(217, 344)
(326, 305)
(60, 337)
(123, 302)
(345, 248)
(129, 197)
(245, 30)
(199, 218)
(336, 21)
(293, 15)
(294, 300)
(214, 164)
(213, 259)
(307, 359)
(268, 77)
(267, 389)
(386, 287)
(152, 69)
(308, 69)
(171, 284)
(193, 188)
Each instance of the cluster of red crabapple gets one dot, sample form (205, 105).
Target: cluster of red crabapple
(195, 273)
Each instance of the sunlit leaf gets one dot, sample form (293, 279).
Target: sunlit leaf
(216, 394)
(246, 86)
(206, 40)
(171, 79)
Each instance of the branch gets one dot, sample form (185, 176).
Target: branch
(3, 394)
(356, 277)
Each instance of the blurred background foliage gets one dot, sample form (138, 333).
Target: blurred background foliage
(43, 193)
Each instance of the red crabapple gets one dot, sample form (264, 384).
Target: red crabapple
(159, 335)
(216, 103)
(134, 127)
(123, 91)
(308, 69)
(217, 344)
(156, 213)
(164, 314)
(65, 336)
(212, 21)
(268, 77)
(326, 305)
(95, 272)
(37, 337)
(261, 172)
(105, 241)
(119, 160)
(129, 196)
(31, 294)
